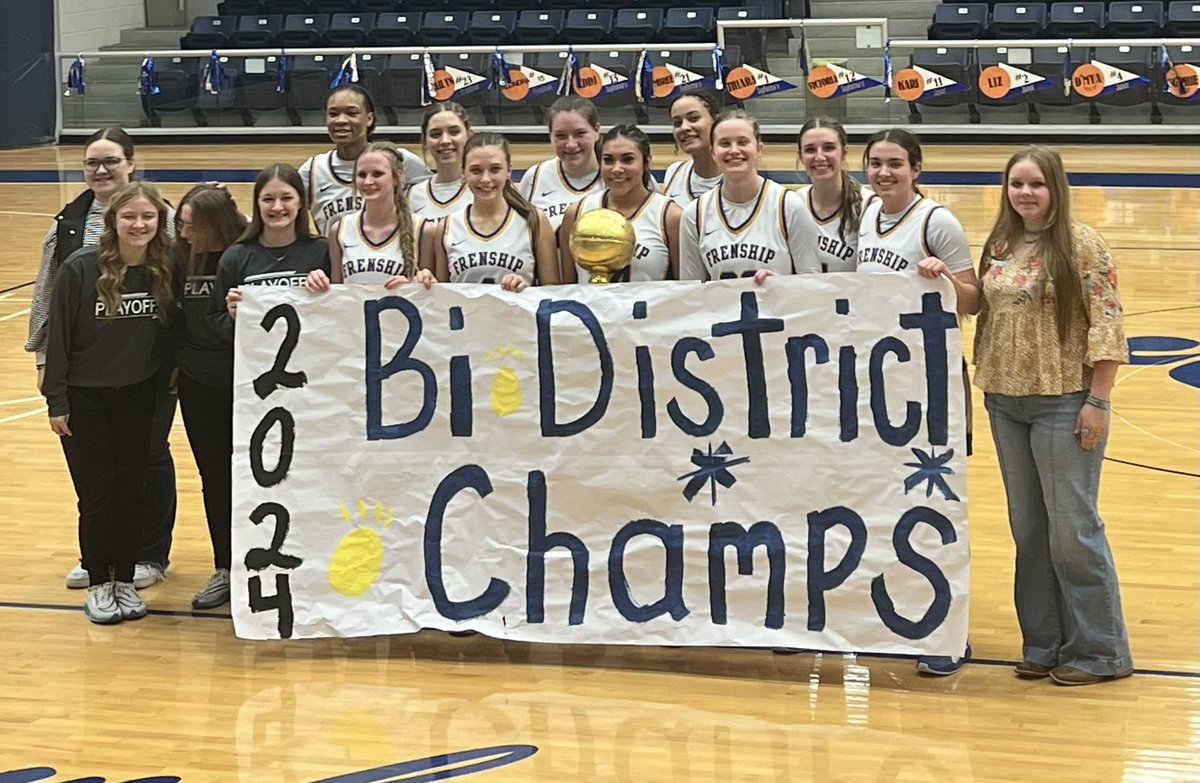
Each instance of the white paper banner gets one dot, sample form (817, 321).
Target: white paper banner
(657, 463)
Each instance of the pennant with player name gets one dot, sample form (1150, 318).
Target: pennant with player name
(921, 84)
(670, 79)
(1183, 81)
(595, 81)
(746, 82)
(1094, 79)
(450, 82)
(833, 81)
(1002, 81)
(525, 84)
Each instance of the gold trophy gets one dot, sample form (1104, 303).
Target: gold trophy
(602, 242)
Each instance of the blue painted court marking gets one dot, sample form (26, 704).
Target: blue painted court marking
(883, 656)
(784, 177)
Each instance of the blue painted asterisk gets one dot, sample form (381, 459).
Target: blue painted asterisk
(931, 468)
(712, 468)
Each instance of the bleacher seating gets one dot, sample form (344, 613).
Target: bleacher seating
(492, 28)
(688, 25)
(953, 63)
(256, 32)
(349, 30)
(1018, 20)
(444, 28)
(209, 32)
(959, 21)
(638, 24)
(396, 29)
(303, 30)
(541, 26)
(1183, 20)
(1141, 19)
(1076, 20)
(589, 25)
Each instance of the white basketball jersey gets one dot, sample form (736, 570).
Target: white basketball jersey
(433, 200)
(901, 246)
(739, 240)
(683, 186)
(651, 258)
(330, 183)
(486, 258)
(547, 186)
(836, 254)
(365, 262)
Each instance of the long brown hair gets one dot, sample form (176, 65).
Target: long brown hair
(852, 204)
(1056, 242)
(404, 217)
(215, 220)
(907, 141)
(287, 174)
(158, 253)
(512, 196)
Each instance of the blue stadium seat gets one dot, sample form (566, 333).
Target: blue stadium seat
(1135, 19)
(256, 32)
(348, 30)
(689, 25)
(1076, 20)
(404, 75)
(751, 42)
(1019, 20)
(308, 80)
(589, 25)
(635, 25)
(239, 7)
(953, 63)
(444, 28)
(540, 26)
(178, 86)
(959, 21)
(209, 32)
(492, 28)
(1135, 59)
(303, 30)
(257, 85)
(399, 28)
(372, 76)
(1183, 20)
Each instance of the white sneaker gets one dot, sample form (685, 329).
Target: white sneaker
(215, 593)
(129, 603)
(147, 575)
(78, 578)
(101, 605)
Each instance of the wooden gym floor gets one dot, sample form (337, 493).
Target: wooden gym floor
(178, 695)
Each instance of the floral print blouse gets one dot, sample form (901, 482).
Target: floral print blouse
(1017, 348)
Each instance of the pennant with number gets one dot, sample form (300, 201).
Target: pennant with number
(525, 84)
(833, 81)
(915, 84)
(746, 81)
(596, 81)
(1094, 79)
(454, 83)
(1183, 81)
(1002, 81)
(669, 80)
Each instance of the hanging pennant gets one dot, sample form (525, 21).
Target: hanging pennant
(75, 80)
(1002, 81)
(834, 81)
(669, 80)
(526, 84)
(1182, 81)
(595, 81)
(921, 84)
(1094, 79)
(570, 72)
(746, 81)
(450, 82)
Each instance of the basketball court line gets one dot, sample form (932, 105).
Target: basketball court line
(25, 415)
(11, 316)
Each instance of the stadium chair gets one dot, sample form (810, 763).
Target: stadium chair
(959, 21)
(308, 81)
(480, 64)
(256, 32)
(404, 75)
(413, 6)
(1183, 20)
(634, 25)
(689, 25)
(239, 7)
(257, 85)
(379, 6)
(349, 30)
(444, 28)
(332, 7)
(209, 32)
(492, 28)
(1019, 20)
(285, 7)
(1135, 19)
(1140, 60)
(178, 87)
(1076, 20)
(208, 103)
(702, 62)
(396, 29)
(540, 27)
(1007, 108)
(1049, 63)
(589, 25)
(303, 30)
(751, 42)
(372, 76)
(1174, 105)
(954, 64)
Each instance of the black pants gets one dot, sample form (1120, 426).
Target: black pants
(208, 418)
(106, 454)
(155, 544)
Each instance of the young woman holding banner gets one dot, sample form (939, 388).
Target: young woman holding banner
(445, 129)
(834, 200)
(748, 226)
(1049, 340)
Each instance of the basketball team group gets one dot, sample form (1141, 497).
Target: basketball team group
(135, 306)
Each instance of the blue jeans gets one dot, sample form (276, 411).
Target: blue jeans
(1067, 598)
(159, 524)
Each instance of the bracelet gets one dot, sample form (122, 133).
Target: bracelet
(1097, 402)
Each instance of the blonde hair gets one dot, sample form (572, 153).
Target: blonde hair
(404, 217)
(158, 253)
(1056, 241)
